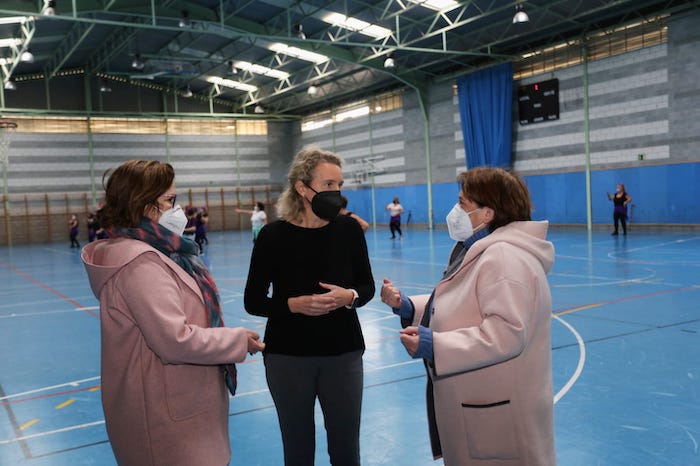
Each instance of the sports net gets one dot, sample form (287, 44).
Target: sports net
(7, 129)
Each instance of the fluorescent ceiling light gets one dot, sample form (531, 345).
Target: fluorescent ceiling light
(11, 42)
(520, 15)
(354, 113)
(232, 84)
(185, 21)
(298, 53)
(357, 25)
(438, 5)
(262, 70)
(138, 64)
(50, 8)
(27, 56)
(15, 19)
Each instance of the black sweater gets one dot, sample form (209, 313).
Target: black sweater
(290, 261)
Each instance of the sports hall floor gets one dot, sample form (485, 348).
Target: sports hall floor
(625, 338)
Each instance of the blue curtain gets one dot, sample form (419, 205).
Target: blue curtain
(485, 107)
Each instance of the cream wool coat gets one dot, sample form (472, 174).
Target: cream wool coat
(492, 370)
(163, 392)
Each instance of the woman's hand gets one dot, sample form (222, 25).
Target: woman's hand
(342, 296)
(254, 343)
(410, 339)
(321, 304)
(390, 294)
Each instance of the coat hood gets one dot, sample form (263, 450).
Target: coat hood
(529, 236)
(104, 258)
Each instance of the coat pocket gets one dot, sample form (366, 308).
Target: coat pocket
(191, 390)
(490, 430)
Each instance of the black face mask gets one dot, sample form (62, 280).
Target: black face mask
(326, 204)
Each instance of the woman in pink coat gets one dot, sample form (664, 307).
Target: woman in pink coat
(167, 359)
(484, 333)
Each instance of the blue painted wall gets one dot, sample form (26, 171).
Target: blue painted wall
(662, 194)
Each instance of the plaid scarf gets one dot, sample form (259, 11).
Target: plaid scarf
(184, 252)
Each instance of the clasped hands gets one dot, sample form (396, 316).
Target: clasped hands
(409, 336)
(323, 303)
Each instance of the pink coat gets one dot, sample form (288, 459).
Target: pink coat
(492, 371)
(163, 392)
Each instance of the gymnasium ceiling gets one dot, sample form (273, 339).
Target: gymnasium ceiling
(104, 37)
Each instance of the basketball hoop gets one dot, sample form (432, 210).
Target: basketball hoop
(7, 129)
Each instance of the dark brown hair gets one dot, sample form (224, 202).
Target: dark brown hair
(501, 190)
(132, 187)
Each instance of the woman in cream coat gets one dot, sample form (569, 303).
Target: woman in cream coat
(484, 333)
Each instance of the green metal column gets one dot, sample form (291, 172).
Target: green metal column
(5, 190)
(371, 155)
(167, 133)
(587, 134)
(91, 146)
(238, 161)
(422, 98)
(4, 177)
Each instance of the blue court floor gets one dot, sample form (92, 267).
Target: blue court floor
(625, 338)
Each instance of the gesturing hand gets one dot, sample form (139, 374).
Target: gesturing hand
(390, 294)
(410, 339)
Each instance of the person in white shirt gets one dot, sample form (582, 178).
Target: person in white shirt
(395, 209)
(258, 218)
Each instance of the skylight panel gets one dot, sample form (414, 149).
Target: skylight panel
(298, 53)
(357, 25)
(262, 70)
(232, 84)
(437, 5)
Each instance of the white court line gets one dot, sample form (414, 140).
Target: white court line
(42, 313)
(62, 311)
(74, 383)
(644, 279)
(398, 364)
(392, 316)
(50, 432)
(403, 262)
(557, 397)
(42, 301)
(581, 361)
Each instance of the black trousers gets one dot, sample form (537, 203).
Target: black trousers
(395, 227)
(295, 382)
(621, 218)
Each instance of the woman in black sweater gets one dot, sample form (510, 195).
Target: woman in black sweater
(315, 264)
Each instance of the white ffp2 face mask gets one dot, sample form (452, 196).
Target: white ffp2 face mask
(459, 224)
(174, 220)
